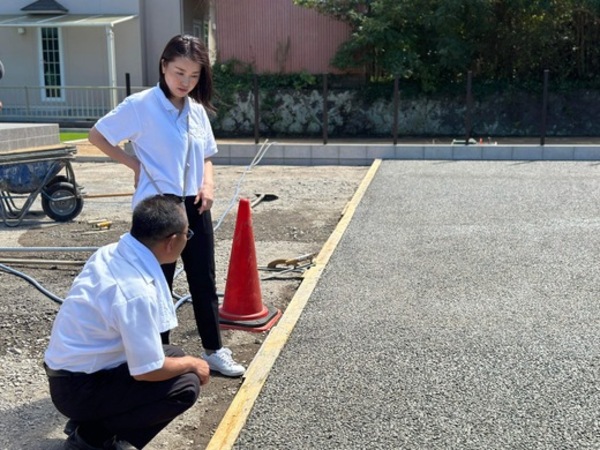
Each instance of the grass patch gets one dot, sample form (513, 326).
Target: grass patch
(73, 135)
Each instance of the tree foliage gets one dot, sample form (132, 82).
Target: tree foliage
(435, 42)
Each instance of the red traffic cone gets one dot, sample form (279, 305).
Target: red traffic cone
(242, 307)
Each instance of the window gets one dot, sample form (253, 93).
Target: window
(51, 62)
(200, 30)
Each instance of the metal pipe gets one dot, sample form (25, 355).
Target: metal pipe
(57, 262)
(112, 66)
(256, 110)
(127, 84)
(120, 194)
(47, 249)
(544, 109)
(325, 109)
(396, 102)
(468, 119)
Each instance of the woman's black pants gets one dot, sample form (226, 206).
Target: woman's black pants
(198, 258)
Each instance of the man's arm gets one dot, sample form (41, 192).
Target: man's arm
(175, 366)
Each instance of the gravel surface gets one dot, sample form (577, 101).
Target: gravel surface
(309, 202)
(460, 311)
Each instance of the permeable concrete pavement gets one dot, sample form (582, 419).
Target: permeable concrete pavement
(459, 310)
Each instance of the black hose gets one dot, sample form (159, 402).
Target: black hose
(33, 282)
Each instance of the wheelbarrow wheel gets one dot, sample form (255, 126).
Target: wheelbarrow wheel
(61, 178)
(60, 201)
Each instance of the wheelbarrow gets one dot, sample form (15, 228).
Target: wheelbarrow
(25, 174)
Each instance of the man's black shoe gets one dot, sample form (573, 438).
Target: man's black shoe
(70, 427)
(76, 442)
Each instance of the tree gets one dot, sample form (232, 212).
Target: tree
(434, 42)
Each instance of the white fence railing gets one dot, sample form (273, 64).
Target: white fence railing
(59, 103)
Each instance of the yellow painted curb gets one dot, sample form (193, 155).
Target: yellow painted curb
(234, 419)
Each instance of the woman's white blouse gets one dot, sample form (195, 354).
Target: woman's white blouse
(159, 135)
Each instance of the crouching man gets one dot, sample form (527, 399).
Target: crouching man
(107, 368)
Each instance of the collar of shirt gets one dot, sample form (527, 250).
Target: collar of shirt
(145, 263)
(170, 107)
(139, 256)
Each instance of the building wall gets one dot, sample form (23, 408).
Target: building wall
(276, 36)
(129, 53)
(84, 66)
(84, 51)
(86, 57)
(161, 21)
(19, 70)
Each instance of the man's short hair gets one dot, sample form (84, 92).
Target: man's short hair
(157, 217)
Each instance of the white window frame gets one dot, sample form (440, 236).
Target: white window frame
(200, 30)
(61, 68)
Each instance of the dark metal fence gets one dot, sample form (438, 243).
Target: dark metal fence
(544, 113)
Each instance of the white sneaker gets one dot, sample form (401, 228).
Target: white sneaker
(123, 445)
(222, 362)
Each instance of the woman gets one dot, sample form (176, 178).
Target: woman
(173, 141)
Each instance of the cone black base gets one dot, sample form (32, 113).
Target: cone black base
(257, 325)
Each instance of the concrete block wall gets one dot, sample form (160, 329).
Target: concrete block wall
(17, 136)
(361, 154)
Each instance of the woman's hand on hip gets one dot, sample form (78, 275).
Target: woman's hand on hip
(204, 199)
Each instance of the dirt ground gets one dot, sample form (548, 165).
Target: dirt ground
(301, 208)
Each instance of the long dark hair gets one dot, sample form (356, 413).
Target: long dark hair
(192, 48)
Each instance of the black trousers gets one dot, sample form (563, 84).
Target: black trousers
(112, 403)
(198, 258)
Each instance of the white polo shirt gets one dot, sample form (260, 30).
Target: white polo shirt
(159, 134)
(114, 313)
